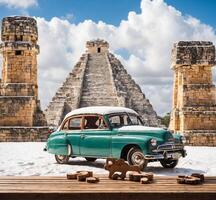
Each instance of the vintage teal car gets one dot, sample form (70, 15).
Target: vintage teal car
(101, 132)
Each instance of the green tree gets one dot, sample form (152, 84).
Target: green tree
(165, 120)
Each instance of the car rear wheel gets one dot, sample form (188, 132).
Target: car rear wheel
(169, 163)
(62, 159)
(90, 159)
(136, 157)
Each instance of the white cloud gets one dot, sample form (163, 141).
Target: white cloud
(146, 39)
(19, 3)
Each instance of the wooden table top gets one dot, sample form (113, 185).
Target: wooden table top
(47, 186)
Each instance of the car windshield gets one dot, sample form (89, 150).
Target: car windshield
(124, 119)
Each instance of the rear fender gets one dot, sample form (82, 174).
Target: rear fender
(58, 145)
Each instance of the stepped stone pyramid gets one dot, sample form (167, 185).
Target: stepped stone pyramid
(99, 79)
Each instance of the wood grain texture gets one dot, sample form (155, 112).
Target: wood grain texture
(60, 188)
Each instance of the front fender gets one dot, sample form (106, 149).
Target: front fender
(119, 143)
(177, 137)
(58, 145)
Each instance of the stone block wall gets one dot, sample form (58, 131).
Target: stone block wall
(17, 111)
(19, 28)
(19, 64)
(19, 104)
(199, 120)
(18, 89)
(194, 94)
(23, 134)
(196, 74)
(201, 137)
(199, 95)
(188, 53)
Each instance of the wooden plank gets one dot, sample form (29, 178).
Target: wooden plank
(73, 185)
(61, 188)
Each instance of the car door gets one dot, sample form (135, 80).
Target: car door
(95, 139)
(73, 133)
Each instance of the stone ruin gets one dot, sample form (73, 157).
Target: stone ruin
(99, 79)
(194, 94)
(21, 118)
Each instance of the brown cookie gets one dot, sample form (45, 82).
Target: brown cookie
(92, 180)
(72, 176)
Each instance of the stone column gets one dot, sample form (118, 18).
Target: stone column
(194, 97)
(19, 104)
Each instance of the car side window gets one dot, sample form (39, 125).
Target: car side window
(119, 120)
(75, 123)
(115, 120)
(135, 120)
(94, 122)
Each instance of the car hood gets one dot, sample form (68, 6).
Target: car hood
(146, 131)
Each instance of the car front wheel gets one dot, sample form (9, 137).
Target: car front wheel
(62, 159)
(136, 157)
(169, 163)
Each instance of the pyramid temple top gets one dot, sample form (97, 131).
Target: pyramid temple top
(97, 46)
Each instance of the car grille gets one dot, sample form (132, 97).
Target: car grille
(169, 147)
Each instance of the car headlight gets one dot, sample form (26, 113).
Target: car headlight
(153, 142)
(183, 139)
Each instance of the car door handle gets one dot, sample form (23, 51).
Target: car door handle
(82, 136)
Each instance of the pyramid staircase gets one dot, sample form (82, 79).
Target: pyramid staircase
(96, 93)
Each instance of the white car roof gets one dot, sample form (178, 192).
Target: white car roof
(102, 110)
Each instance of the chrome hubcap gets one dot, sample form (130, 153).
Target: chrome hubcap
(137, 158)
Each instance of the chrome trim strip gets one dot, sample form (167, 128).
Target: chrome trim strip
(169, 146)
(161, 156)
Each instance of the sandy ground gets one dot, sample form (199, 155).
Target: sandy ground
(21, 159)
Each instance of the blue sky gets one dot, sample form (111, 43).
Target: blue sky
(109, 11)
(141, 34)
(201, 9)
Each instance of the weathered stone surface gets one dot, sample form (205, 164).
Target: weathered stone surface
(130, 94)
(99, 79)
(19, 104)
(201, 137)
(193, 53)
(23, 134)
(194, 94)
(16, 89)
(14, 27)
(67, 97)
(16, 111)
(97, 46)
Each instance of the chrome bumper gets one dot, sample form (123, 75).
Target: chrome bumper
(167, 151)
